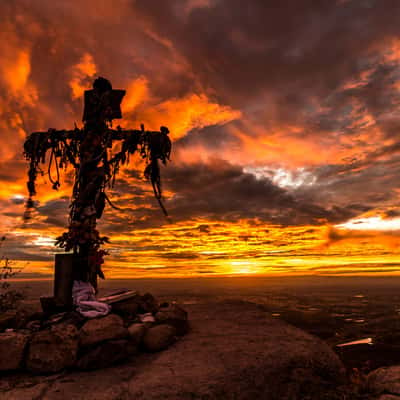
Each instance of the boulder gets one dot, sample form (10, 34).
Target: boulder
(147, 319)
(384, 380)
(34, 326)
(8, 319)
(148, 304)
(136, 333)
(137, 304)
(53, 349)
(159, 337)
(235, 350)
(65, 317)
(101, 329)
(106, 354)
(174, 315)
(12, 346)
(28, 310)
(126, 308)
(75, 318)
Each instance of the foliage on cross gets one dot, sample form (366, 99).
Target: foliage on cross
(88, 151)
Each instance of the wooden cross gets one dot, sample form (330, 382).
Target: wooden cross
(88, 151)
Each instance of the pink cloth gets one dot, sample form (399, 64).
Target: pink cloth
(84, 297)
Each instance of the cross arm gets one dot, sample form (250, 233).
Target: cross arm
(154, 145)
(37, 143)
(120, 134)
(60, 142)
(58, 134)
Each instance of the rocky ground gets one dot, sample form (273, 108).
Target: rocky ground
(238, 338)
(233, 350)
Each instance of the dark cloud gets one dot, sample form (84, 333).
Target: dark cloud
(22, 248)
(55, 212)
(244, 49)
(218, 189)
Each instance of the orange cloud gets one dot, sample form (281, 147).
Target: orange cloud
(137, 93)
(180, 115)
(19, 93)
(193, 112)
(15, 67)
(82, 73)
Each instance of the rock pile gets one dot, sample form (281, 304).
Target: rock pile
(48, 344)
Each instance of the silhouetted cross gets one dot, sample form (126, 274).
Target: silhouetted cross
(87, 150)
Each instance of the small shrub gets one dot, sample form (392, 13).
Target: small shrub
(8, 298)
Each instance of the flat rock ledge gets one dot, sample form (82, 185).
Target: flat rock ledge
(233, 350)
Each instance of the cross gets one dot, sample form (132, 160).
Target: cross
(88, 151)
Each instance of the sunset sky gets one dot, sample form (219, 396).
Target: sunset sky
(284, 117)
